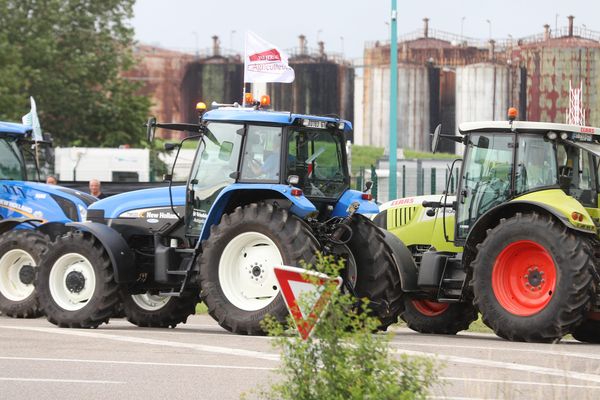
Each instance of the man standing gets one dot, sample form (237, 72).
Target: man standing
(51, 180)
(95, 189)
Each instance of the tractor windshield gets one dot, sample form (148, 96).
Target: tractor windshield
(486, 177)
(12, 165)
(316, 157)
(213, 169)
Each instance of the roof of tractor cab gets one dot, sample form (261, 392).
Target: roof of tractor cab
(238, 114)
(525, 127)
(14, 128)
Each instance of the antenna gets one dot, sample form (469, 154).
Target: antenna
(575, 113)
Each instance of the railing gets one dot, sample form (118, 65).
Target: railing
(412, 181)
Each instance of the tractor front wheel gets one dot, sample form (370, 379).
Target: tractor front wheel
(426, 316)
(75, 282)
(377, 278)
(156, 311)
(531, 278)
(20, 254)
(236, 267)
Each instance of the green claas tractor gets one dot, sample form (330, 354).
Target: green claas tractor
(519, 240)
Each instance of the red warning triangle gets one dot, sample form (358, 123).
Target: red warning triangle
(294, 283)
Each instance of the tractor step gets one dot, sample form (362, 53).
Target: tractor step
(170, 294)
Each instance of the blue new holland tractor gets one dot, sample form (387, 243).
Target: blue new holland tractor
(28, 213)
(265, 189)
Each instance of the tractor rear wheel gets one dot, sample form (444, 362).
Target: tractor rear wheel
(427, 316)
(156, 311)
(75, 282)
(531, 278)
(20, 254)
(237, 281)
(377, 276)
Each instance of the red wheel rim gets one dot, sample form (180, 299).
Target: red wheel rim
(524, 278)
(430, 308)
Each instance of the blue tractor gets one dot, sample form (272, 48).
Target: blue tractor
(265, 188)
(28, 213)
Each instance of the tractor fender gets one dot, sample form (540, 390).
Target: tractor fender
(10, 223)
(368, 207)
(300, 205)
(407, 269)
(121, 256)
(506, 210)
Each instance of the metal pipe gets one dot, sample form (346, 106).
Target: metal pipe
(571, 18)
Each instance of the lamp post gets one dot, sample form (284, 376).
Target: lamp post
(490, 24)
(342, 43)
(233, 32)
(196, 37)
(462, 25)
(393, 102)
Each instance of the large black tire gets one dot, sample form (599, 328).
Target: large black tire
(75, 282)
(439, 318)
(377, 276)
(588, 331)
(18, 249)
(154, 311)
(291, 238)
(531, 278)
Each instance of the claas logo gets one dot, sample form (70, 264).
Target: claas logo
(268, 55)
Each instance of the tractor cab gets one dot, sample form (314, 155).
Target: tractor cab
(504, 161)
(246, 155)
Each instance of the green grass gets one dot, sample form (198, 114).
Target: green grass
(365, 156)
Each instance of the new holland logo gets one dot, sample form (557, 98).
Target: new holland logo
(268, 55)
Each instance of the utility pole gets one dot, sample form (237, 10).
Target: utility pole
(393, 103)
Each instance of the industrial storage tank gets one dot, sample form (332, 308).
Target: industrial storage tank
(482, 92)
(552, 61)
(413, 106)
(216, 77)
(324, 84)
(160, 71)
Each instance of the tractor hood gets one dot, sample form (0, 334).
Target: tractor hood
(41, 201)
(114, 206)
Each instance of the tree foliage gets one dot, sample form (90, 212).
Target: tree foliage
(69, 55)
(344, 359)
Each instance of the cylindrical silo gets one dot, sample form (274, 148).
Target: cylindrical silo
(482, 92)
(413, 106)
(321, 87)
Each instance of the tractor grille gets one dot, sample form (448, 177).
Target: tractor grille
(401, 216)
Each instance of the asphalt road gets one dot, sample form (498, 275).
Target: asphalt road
(199, 360)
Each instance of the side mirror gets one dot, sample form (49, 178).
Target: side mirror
(436, 138)
(150, 129)
(368, 185)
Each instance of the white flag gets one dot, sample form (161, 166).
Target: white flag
(31, 119)
(264, 62)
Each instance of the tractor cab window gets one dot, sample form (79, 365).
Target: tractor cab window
(11, 160)
(315, 156)
(536, 164)
(486, 177)
(576, 172)
(262, 154)
(213, 169)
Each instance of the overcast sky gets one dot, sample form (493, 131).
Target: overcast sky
(344, 24)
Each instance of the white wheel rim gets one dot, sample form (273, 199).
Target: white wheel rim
(246, 271)
(150, 302)
(65, 298)
(11, 264)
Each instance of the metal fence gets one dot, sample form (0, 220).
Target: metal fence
(414, 178)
